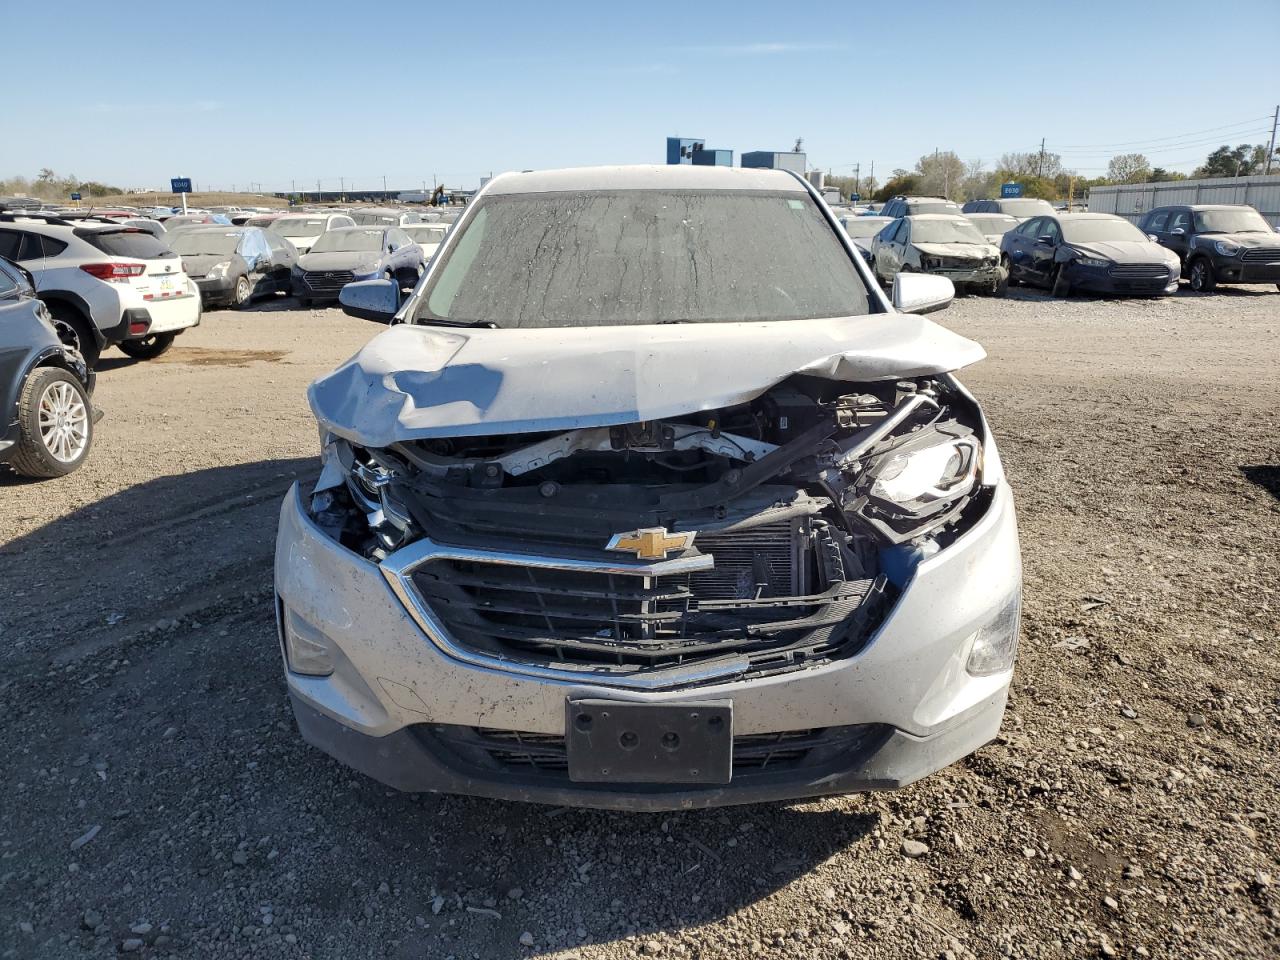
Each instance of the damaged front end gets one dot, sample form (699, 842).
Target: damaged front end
(768, 536)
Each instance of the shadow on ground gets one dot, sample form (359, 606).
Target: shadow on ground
(153, 687)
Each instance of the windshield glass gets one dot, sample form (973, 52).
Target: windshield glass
(348, 239)
(932, 206)
(1231, 221)
(1095, 231)
(993, 222)
(298, 227)
(859, 228)
(613, 258)
(192, 243)
(945, 231)
(1026, 208)
(426, 234)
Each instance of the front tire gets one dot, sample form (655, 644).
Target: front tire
(148, 348)
(55, 422)
(242, 293)
(1202, 279)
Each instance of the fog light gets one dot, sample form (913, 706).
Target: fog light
(996, 643)
(306, 648)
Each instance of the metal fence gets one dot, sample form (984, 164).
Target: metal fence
(1132, 200)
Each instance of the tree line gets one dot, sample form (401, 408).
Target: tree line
(48, 185)
(943, 174)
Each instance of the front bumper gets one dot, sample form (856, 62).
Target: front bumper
(219, 290)
(1235, 270)
(1100, 280)
(987, 274)
(395, 701)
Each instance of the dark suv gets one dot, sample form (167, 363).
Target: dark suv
(1217, 243)
(912, 206)
(48, 418)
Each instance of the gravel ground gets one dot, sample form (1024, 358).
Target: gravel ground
(159, 802)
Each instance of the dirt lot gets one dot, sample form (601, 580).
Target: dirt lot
(158, 800)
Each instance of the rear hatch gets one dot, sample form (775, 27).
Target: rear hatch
(137, 258)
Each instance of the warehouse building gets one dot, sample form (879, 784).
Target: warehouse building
(776, 160)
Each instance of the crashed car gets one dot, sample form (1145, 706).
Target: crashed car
(862, 231)
(650, 499)
(343, 254)
(1093, 252)
(943, 244)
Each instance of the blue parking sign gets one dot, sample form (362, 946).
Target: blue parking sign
(1010, 190)
(181, 184)
(75, 196)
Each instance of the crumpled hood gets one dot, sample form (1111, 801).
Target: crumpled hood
(974, 251)
(417, 382)
(339, 260)
(1125, 251)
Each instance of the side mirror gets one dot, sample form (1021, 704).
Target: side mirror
(376, 300)
(1153, 238)
(921, 293)
(1047, 240)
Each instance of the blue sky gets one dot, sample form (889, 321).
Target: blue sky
(238, 93)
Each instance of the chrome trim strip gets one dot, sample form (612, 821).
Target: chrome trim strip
(398, 568)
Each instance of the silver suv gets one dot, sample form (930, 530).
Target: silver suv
(650, 499)
(105, 284)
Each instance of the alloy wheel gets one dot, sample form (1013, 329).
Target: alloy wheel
(64, 422)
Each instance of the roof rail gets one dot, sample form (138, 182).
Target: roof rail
(49, 218)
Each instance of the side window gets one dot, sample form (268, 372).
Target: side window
(30, 248)
(9, 241)
(253, 244)
(899, 234)
(1157, 221)
(1049, 228)
(1181, 221)
(1032, 227)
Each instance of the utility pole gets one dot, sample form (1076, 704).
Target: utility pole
(857, 167)
(1040, 165)
(1271, 149)
(384, 184)
(342, 188)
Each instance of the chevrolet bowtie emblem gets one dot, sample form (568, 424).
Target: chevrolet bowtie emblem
(652, 543)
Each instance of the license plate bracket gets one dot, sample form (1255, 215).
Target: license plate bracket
(614, 741)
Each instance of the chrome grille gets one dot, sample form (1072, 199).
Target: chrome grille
(1140, 271)
(1262, 255)
(327, 281)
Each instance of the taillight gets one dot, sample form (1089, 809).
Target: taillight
(114, 272)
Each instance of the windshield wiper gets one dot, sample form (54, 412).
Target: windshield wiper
(468, 324)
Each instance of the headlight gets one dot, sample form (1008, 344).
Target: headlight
(219, 270)
(996, 643)
(920, 483)
(1093, 262)
(1226, 247)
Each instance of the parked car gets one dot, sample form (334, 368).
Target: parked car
(428, 236)
(304, 229)
(45, 386)
(862, 230)
(549, 558)
(942, 244)
(146, 224)
(345, 254)
(913, 206)
(105, 284)
(264, 220)
(993, 226)
(1020, 207)
(235, 265)
(181, 220)
(384, 217)
(1096, 252)
(1217, 243)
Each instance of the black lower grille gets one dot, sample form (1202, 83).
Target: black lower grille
(327, 281)
(541, 755)
(1262, 255)
(1140, 271)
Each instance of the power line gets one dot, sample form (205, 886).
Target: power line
(1176, 136)
(1208, 142)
